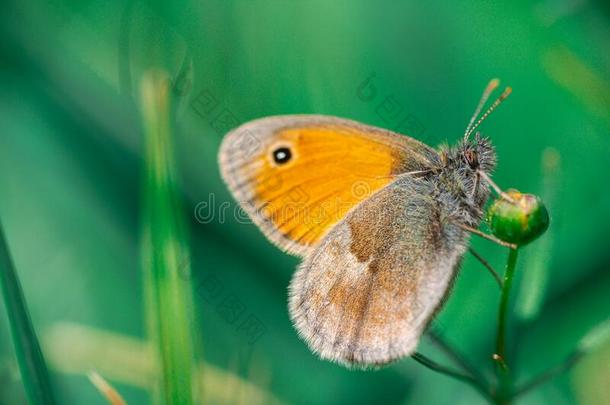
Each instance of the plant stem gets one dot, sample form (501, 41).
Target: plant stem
(549, 374)
(503, 372)
(31, 362)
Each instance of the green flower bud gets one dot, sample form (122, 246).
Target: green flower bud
(518, 222)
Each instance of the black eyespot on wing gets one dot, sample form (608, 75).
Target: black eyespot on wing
(282, 155)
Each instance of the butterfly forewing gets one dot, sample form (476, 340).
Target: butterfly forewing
(298, 176)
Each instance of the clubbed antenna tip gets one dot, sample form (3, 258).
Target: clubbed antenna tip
(491, 87)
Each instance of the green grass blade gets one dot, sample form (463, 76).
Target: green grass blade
(29, 356)
(165, 255)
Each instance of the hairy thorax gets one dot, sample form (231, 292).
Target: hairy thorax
(458, 185)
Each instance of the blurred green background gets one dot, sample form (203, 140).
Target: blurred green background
(71, 163)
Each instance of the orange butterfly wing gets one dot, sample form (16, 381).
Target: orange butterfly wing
(298, 175)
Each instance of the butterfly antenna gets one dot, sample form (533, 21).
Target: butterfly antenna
(491, 109)
(493, 84)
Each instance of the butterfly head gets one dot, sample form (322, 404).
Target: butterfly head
(476, 154)
(462, 177)
(474, 158)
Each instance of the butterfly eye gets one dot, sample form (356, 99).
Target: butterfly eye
(471, 158)
(282, 155)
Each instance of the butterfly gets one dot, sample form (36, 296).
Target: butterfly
(380, 220)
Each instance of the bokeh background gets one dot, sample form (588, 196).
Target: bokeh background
(71, 163)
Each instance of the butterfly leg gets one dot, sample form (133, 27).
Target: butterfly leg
(486, 264)
(496, 188)
(486, 236)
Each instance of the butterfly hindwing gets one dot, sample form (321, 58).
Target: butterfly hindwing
(365, 295)
(297, 176)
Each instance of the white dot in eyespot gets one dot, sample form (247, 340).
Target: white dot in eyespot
(282, 155)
